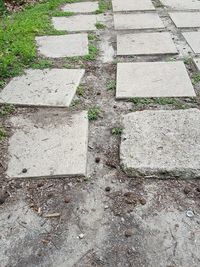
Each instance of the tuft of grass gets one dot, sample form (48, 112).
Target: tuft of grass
(117, 131)
(75, 102)
(93, 37)
(2, 134)
(6, 110)
(103, 6)
(42, 64)
(93, 113)
(111, 85)
(188, 60)
(93, 52)
(195, 78)
(80, 91)
(100, 26)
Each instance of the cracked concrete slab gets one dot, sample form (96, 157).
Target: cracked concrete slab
(155, 43)
(181, 4)
(129, 5)
(81, 7)
(137, 21)
(186, 19)
(58, 46)
(40, 88)
(161, 144)
(153, 79)
(193, 39)
(75, 23)
(48, 144)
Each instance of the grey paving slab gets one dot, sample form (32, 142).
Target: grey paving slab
(63, 45)
(48, 144)
(137, 21)
(55, 87)
(153, 79)
(197, 63)
(182, 4)
(81, 7)
(193, 39)
(186, 19)
(75, 23)
(145, 44)
(161, 143)
(130, 5)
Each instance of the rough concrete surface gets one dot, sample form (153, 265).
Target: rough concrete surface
(81, 7)
(57, 46)
(153, 79)
(161, 144)
(197, 63)
(137, 21)
(54, 145)
(193, 39)
(130, 5)
(182, 4)
(186, 19)
(75, 23)
(145, 44)
(40, 88)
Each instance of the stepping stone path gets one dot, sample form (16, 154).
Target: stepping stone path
(41, 88)
(153, 79)
(130, 5)
(81, 7)
(193, 39)
(155, 43)
(52, 144)
(182, 4)
(162, 143)
(186, 19)
(137, 21)
(70, 45)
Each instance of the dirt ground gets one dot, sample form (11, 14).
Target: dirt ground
(106, 219)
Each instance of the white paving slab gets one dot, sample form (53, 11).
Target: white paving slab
(193, 39)
(182, 4)
(145, 44)
(197, 63)
(137, 21)
(186, 19)
(47, 144)
(153, 79)
(63, 45)
(55, 87)
(130, 5)
(81, 7)
(75, 23)
(161, 143)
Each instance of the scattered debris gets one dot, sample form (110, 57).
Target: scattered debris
(190, 214)
(52, 215)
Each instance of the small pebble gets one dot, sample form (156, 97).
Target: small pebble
(190, 213)
(107, 189)
(187, 190)
(40, 184)
(143, 201)
(97, 159)
(128, 233)
(98, 93)
(106, 207)
(24, 170)
(198, 189)
(67, 199)
(81, 236)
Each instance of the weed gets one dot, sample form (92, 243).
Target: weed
(103, 6)
(42, 64)
(80, 90)
(93, 37)
(100, 26)
(187, 61)
(111, 85)
(6, 110)
(157, 101)
(117, 131)
(93, 113)
(196, 78)
(75, 102)
(93, 52)
(2, 134)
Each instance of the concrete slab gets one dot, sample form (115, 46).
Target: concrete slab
(161, 143)
(155, 43)
(57, 46)
(130, 5)
(48, 144)
(75, 23)
(186, 19)
(55, 87)
(81, 7)
(137, 21)
(153, 79)
(197, 63)
(182, 4)
(193, 39)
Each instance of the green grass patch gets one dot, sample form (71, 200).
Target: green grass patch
(104, 6)
(111, 85)
(2, 134)
(117, 131)
(196, 78)
(18, 32)
(80, 90)
(42, 64)
(93, 52)
(6, 110)
(100, 26)
(93, 113)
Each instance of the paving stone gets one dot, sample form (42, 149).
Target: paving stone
(197, 63)
(75, 23)
(81, 7)
(130, 5)
(182, 4)
(48, 144)
(193, 39)
(186, 19)
(161, 143)
(145, 44)
(137, 21)
(153, 79)
(55, 87)
(63, 45)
